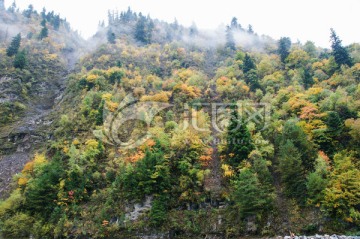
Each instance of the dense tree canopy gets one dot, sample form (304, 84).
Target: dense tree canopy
(285, 158)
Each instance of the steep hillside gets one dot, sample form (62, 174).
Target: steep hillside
(28, 93)
(164, 131)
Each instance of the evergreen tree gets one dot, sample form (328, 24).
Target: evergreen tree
(111, 19)
(28, 12)
(44, 33)
(307, 79)
(294, 133)
(333, 131)
(239, 142)
(43, 22)
(261, 168)
(334, 123)
(43, 13)
(56, 22)
(150, 28)
(41, 193)
(252, 79)
(292, 171)
(20, 60)
(230, 41)
(175, 25)
(234, 24)
(250, 30)
(339, 52)
(248, 64)
(14, 46)
(249, 196)
(193, 30)
(143, 30)
(158, 212)
(317, 181)
(249, 69)
(284, 45)
(111, 36)
(12, 8)
(101, 24)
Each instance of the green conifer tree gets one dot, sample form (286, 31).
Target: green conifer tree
(292, 171)
(339, 52)
(239, 142)
(230, 41)
(249, 196)
(284, 45)
(44, 33)
(14, 46)
(20, 60)
(111, 36)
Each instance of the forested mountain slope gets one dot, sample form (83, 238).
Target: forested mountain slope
(37, 53)
(176, 132)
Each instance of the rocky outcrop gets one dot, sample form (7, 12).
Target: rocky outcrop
(27, 129)
(138, 209)
(10, 165)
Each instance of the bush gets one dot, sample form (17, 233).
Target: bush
(19, 226)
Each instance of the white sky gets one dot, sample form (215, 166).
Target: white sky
(298, 19)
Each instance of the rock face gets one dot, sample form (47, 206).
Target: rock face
(139, 209)
(9, 165)
(28, 128)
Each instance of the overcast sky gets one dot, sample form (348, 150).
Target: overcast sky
(298, 19)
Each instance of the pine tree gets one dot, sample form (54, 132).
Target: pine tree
(317, 181)
(284, 45)
(143, 30)
(292, 171)
(28, 12)
(193, 30)
(234, 24)
(44, 33)
(248, 64)
(294, 133)
(12, 8)
(252, 79)
(239, 142)
(249, 196)
(111, 19)
(43, 22)
(56, 22)
(14, 46)
(20, 60)
(249, 69)
(250, 30)
(111, 36)
(339, 52)
(175, 25)
(334, 123)
(308, 79)
(149, 29)
(230, 41)
(43, 13)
